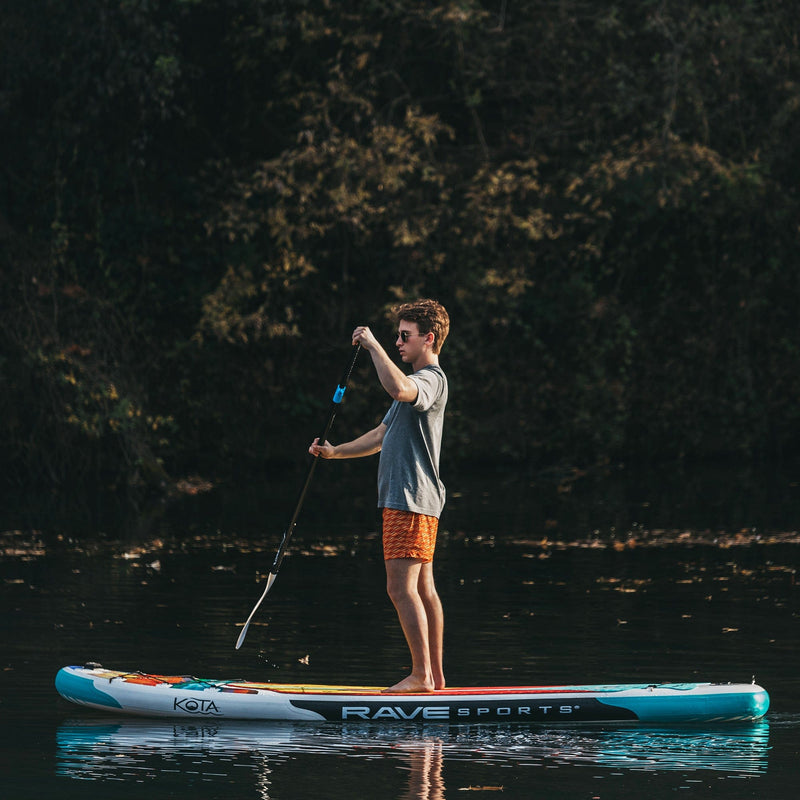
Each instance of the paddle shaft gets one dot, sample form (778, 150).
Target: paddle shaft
(287, 534)
(337, 398)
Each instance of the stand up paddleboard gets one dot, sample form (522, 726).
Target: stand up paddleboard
(187, 697)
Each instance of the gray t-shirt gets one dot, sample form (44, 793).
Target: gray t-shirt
(408, 470)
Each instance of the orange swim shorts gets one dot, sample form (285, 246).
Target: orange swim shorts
(407, 534)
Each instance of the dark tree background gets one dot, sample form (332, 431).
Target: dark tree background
(199, 199)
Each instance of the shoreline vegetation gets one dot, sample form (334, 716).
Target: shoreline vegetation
(201, 199)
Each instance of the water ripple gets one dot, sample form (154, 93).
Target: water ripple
(107, 750)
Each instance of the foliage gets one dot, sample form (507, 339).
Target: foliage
(216, 191)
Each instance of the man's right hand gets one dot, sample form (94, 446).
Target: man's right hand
(365, 337)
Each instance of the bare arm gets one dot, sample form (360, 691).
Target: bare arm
(365, 445)
(398, 385)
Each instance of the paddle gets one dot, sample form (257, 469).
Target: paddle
(276, 564)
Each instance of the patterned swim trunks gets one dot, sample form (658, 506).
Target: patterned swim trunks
(407, 534)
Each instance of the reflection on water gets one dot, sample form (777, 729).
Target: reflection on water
(679, 578)
(138, 750)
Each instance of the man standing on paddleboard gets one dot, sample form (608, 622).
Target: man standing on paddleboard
(410, 492)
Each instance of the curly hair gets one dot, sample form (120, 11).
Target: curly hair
(430, 316)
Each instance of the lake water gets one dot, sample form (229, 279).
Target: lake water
(624, 577)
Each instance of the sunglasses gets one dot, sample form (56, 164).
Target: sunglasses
(405, 335)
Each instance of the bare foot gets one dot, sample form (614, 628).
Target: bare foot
(410, 685)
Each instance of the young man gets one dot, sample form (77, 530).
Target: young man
(410, 493)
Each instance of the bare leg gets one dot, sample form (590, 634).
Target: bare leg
(435, 617)
(409, 583)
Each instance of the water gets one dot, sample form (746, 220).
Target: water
(639, 578)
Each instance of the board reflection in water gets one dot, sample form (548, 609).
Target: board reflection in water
(146, 750)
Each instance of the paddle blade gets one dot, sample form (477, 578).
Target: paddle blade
(270, 580)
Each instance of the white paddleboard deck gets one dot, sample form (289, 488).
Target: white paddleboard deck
(186, 697)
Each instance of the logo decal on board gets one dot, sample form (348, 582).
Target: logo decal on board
(192, 706)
